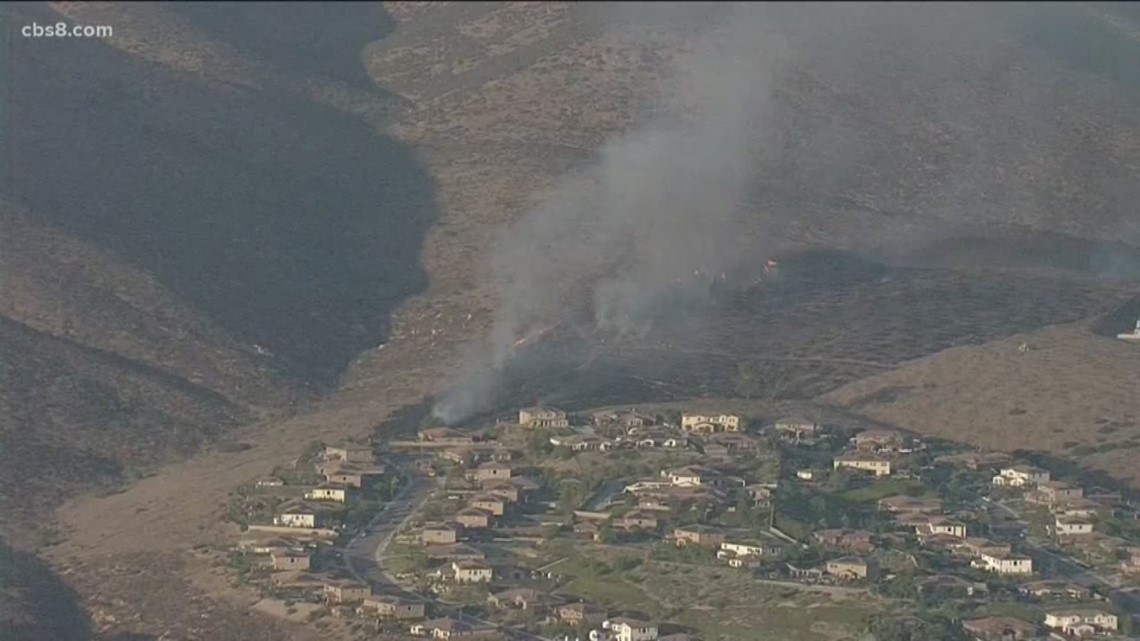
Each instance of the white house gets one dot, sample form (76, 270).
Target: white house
(747, 548)
(471, 572)
(710, 422)
(297, 516)
(543, 417)
(1072, 526)
(328, 492)
(1021, 476)
(1081, 621)
(1004, 563)
(627, 629)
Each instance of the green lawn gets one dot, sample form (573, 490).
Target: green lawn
(881, 489)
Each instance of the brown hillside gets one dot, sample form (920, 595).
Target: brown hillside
(1071, 392)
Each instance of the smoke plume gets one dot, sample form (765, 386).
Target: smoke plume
(657, 208)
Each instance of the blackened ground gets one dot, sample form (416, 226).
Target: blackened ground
(318, 38)
(824, 320)
(292, 225)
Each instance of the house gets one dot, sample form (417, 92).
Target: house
(804, 574)
(289, 559)
(848, 568)
(351, 476)
(1021, 476)
(1055, 589)
(864, 462)
(629, 629)
(491, 471)
(1081, 621)
(690, 476)
(851, 540)
(942, 525)
(625, 419)
(878, 440)
(1053, 492)
(1072, 526)
(732, 441)
(270, 481)
(1005, 563)
(702, 535)
(473, 517)
(796, 428)
(328, 492)
(543, 417)
(636, 520)
(471, 572)
(297, 515)
(522, 598)
(587, 530)
(1000, 629)
(504, 490)
(343, 591)
(448, 628)
(350, 453)
(445, 436)
(581, 442)
(747, 549)
(489, 502)
(439, 534)
(761, 495)
(577, 614)
(390, 607)
(709, 423)
(911, 504)
(1082, 507)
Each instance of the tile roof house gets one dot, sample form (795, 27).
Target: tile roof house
(491, 471)
(439, 534)
(863, 462)
(709, 423)
(1021, 476)
(543, 417)
(848, 568)
(473, 518)
(1000, 629)
(392, 607)
(580, 613)
(702, 535)
(344, 591)
(1081, 621)
(471, 572)
(630, 629)
(290, 559)
(497, 506)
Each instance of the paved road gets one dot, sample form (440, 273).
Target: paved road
(1065, 565)
(364, 555)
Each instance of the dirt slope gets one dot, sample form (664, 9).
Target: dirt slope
(1071, 392)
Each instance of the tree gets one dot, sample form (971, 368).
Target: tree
(837, 481)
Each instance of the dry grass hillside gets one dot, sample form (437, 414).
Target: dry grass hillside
(225, 189)
(1073, 394)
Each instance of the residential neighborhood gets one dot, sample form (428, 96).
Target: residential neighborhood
(524, 524)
